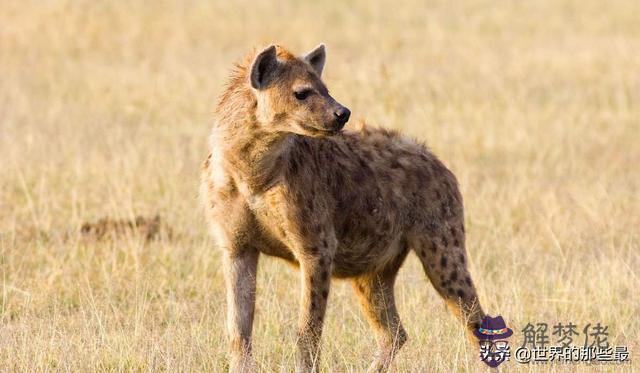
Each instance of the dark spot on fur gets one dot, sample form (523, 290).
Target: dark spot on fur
(467, 280)
(386, 225)
(462, 259)
(454, 275)
(431, 225)
(395, 164)
(279, 117)
(445, 242)
(313, 305)
(246, 147)
(456, 243)
(325, 275)
(423, 177)
(324, 243)
(325, 294)
(460, 293)
(362, 163)
(322, 262)
(338, 179)
(359, 176)
(443, 209)
(313, 294)
(305, 145)
(438, 195)
(313, 250)
(423, 254)
(293, 167)
(443, 262)
(433, 247)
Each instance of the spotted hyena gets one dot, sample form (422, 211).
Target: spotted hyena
(284, 180)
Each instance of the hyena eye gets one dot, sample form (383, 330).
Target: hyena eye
(302, 94)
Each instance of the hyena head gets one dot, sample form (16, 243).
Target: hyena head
(290, 95)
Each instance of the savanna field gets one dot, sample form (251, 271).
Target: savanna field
(105, 109)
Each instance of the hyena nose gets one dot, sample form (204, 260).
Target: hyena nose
(342, 115)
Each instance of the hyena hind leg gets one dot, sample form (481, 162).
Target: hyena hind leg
(375, 293)
(444, 260)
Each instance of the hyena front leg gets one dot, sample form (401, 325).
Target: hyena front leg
(375, 292)
(444, 260)
(315, 272)
(240, 267)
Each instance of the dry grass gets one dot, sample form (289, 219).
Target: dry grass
(105, 108)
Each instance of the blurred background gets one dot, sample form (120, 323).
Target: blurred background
(105, 108)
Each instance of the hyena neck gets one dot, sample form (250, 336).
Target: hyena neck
(254, 156)
(251, 154)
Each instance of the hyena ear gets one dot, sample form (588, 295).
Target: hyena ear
(316, 58)
(263, 67)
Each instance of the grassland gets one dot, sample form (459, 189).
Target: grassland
(105, 108)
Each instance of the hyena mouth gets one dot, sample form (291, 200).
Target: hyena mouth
(313, 131)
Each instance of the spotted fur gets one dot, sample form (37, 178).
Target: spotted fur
(282, 181)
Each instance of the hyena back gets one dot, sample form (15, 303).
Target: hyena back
(282, 179)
